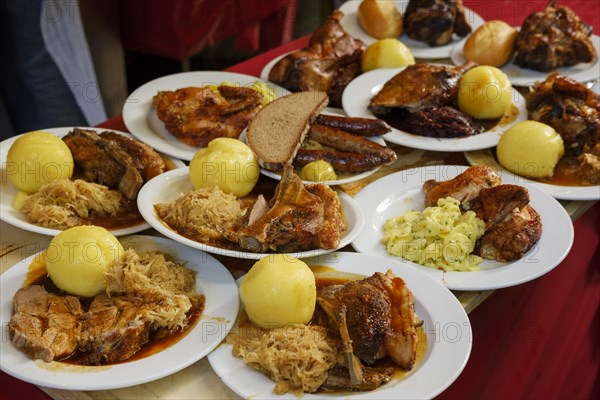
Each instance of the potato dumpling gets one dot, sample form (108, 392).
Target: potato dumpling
(493, 43)
(386, 53)
(77, 257)
(485, 93)
(318, 171)
(37, 158)
(530, 149)
(279, 290)
(226, 163)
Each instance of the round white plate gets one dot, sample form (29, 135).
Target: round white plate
(358, 94)
(221, 309)
(264, 75)
(419, 49)
(16, 218)
(170, 185)
(485, 157)
(342, 179)
(140, 117)
(395, 194)
(518, 76)
(445, 323)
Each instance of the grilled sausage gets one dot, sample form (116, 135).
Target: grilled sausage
(358, 126)
(345, 141)
(342, 162)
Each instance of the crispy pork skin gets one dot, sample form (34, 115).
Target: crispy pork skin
(435, 21)
(464, 187)
(44, 325)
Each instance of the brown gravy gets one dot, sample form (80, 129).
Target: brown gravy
(37, 275)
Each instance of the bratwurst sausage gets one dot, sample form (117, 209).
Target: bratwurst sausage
(358, 126)
(342, 162)
(348, 142)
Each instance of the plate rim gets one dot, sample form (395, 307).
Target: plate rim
(369, 200)
(149, 214)
(591, 73)
(211, 271)
(359, 91)
(429, 292)
(6, 210)
(583, 193)
(138, 105)
(350, 10)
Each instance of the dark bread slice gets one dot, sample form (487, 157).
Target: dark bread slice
(276, 132)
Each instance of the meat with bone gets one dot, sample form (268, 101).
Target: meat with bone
(375, 318)
(553, 38)
(512, 225)
(44, 325)
(435, 21)
(328, 64)
(298, 218)
(419, 86)
(355, 125)
(104, 163)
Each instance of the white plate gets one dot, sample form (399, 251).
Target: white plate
(264, 75)
(168, 186)
(397, 193)
(485, 157)
(16, 218)
(518, 76)
(419, 49)
(358, 94)
(445, 323)
(140, 117)
(345, 178)
(221, 309)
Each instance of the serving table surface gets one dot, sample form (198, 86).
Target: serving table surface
(534, 340)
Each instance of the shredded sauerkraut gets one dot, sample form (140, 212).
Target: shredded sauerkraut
(296, 357)
(65, 203)
(203, 214)
(439, 237)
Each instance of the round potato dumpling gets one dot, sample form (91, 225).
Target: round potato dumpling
(318, 171)
(77, 258)
(37, 158)
(493, 43)
(485, 93)
(279, 290)
(386, 53)
(530, 149)
(226, 163)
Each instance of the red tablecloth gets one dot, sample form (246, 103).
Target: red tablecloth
(538, 340)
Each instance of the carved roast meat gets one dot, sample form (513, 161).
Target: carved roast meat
(374, 318)
(298, 218)
(434, 21)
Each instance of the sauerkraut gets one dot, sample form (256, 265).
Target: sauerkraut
(203, 214)
(295, 357)
(440, 237)
(64, 204)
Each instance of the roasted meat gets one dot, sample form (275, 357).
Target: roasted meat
(44, 325)
(328, 64)
(197, 115)
(113, 160)
(297, 218)
(512, 225)
(573, 111)
(440, 122)
(375, 318)
(418, 87)
(435, 21)
(553, 38)
(464, 187)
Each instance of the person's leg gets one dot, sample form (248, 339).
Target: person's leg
(35, 93)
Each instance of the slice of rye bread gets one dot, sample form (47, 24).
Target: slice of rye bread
(276, 132)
